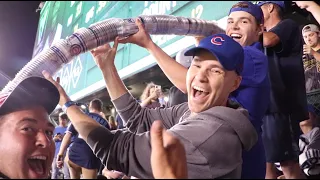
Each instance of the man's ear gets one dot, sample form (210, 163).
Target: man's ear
(236, 83)
(270, 7)
(260, 29)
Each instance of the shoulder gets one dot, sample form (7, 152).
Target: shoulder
(315, 132)
(253, 53)
(286, 28)
(95, 116)
(287, 22)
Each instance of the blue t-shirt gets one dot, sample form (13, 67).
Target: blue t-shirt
(253, 95)
(254, 90)
(60, 130)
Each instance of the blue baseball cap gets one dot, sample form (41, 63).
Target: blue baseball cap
(228, 52)
(279, 3)
(250, 8)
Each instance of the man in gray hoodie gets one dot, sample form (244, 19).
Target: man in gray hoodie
(213, 129)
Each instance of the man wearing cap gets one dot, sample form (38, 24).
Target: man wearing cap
(213, 129)
(288, 104)
(311, 62)
(245, 26)
(311, 36)
(26, 133)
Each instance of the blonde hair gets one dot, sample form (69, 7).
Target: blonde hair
(112, 122)
(146, 91)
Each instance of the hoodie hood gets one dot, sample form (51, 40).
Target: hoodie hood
(236, 117)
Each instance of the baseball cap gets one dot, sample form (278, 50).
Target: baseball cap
(252, 9)
(310, 28)
(29, 92)
(228, 52)
(279, 3)
(183, 59)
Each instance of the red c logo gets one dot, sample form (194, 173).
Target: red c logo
(217, 40)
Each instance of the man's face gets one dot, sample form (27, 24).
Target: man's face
(62, 121)
(27, 147)
(242, 27)
(208, 83)
(311, 38)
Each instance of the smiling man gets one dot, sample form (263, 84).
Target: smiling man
(213, 129)
(245, 26)
(26, 134)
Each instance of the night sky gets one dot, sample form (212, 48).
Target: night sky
(18, 28)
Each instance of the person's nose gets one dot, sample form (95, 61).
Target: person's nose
(43, 140)
(202, 75)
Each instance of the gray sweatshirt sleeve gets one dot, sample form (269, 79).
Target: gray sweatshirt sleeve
(123, 151)
(140, 119)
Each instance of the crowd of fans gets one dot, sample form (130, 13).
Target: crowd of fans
(239, 108)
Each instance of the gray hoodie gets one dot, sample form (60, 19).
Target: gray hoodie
(213, 139)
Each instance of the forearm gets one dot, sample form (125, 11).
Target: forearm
(65, 143)
(100, 140)
(114, 84)
(140, 119)
(270, 39)
(315, 11)
(145, 102)
(175, 72)
(131, 112)
(81, 122)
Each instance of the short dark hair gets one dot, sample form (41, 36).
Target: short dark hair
(63, 116)
(244, 4)
(96, 104)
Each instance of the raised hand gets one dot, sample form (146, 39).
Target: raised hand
(104, 55)
(141, 38)
(168, 156)
(63, 95)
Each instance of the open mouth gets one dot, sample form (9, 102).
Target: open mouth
(199, 92)
(236, 36)
(38, 164)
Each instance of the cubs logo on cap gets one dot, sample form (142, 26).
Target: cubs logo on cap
(217, 40)
(227, 51)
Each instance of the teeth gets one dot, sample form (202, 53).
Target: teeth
(39, 157)
(198, 88)
(236, 35)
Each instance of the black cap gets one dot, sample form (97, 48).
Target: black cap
(30, 92)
